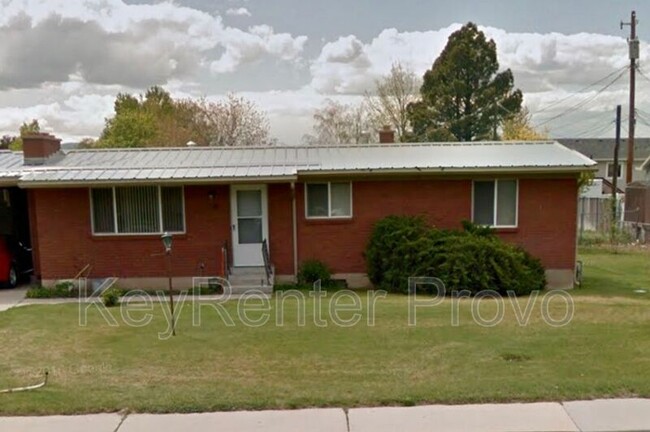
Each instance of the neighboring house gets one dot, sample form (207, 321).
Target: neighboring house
(108, 208)
(602, 151)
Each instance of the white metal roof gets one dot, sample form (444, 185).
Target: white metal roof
(11, 165)
(203, 164)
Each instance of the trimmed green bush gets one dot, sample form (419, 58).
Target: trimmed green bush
(387, 237)
(60, 290)
(312, 270)
(111, 297)
(474, 259)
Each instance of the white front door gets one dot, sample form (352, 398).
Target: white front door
(249, 224)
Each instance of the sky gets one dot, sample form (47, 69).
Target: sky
(63, 61)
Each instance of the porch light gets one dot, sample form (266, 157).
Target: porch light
(167, 241)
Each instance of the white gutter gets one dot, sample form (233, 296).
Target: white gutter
(54, 183)
(27, 184)
(463, 170)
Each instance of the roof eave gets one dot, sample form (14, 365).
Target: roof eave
(33, 184)
(460, 170)
(9, 181)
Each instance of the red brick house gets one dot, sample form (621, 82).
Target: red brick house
(108, 208)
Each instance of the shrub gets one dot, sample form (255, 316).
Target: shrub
(478, 263)
(312, 270)
(473, 259)
(479, 230)
(64, 289)
(388, 236)
(111, 297)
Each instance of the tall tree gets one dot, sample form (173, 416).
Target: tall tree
(337, 123)
(393, 94)
(463, 94)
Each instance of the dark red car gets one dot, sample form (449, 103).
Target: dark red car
(15, 261)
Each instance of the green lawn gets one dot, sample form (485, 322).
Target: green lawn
(603, 351)
(615, 271)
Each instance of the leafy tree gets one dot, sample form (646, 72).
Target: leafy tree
(87, 143)
(337, 123)
(130, 128)
(155, 119)
(5, 141)
(519, 127)
(463, 94)
(391, 99)
(26, 128)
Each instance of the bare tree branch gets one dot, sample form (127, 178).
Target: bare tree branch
(392, 97)
(336, 123)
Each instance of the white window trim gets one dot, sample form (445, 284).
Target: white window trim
(116, 233)
(329, 203)
(496, 192)
(611, 164)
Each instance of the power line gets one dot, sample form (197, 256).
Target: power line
(596, 131)
(594, 119)
(581, 90)
(640, 71)
(583, 102)
(642, 117)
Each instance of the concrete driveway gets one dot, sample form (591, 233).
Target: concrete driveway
(10, 297)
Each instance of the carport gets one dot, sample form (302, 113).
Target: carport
(15, 235)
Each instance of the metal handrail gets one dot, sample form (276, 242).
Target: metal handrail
(225, 257)
(268, 269)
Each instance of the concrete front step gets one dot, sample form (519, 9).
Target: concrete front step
(247, 280)
(248, 271)
(248, 289)
(244, 279)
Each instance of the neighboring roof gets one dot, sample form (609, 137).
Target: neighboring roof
(603, 148)
(203, 164)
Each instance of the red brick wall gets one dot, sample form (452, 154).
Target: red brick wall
(280, 228)
(548, 214)
(61, 221)
(340, 243)
(66, 243)
(546, 224)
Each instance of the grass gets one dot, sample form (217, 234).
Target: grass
(603, 352)
(615, 271)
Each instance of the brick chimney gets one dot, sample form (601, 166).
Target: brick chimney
(386, 135)
(38, 147)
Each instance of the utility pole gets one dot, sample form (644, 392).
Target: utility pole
(617, 145)
(633, 44)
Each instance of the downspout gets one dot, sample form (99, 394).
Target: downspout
(294, 223)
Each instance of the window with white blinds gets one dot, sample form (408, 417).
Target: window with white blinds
(137, 210)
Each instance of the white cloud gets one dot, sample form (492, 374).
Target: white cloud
(73, 118)
(546, 67)
(246, 47)
(538, 61)
(111, 42)
(242, 11)
(348, 65)
(82, 53)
